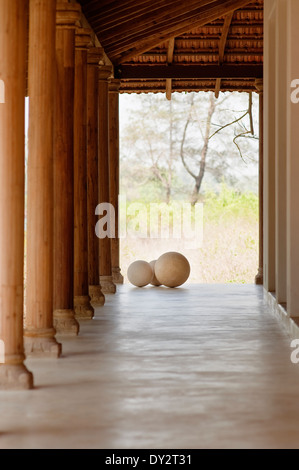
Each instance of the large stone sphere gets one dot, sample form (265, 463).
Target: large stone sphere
(154, 281)
(140, 273)
(172, 269)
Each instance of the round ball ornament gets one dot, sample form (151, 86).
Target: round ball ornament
(172, 269)
(154, 281)
(140, 273)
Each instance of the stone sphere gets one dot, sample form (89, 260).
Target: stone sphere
(154, 281)
(140, 273)
(172, 269)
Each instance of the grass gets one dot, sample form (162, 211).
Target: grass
(229, 249)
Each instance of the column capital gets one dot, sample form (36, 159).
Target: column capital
(105, 72)
(68, 15)
(114, 85)
(83, 39)
(95, 56)
(259, 84)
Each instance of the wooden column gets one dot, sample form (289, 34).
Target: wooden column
(82, 305)
(269, 149)
(114, 173)
(95, 56)
(13, 41)
(281, 99)
(292, 159)
(108, 286)
(259, 276)
(68, 15)
(39, 333)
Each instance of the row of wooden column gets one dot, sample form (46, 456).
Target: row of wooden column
(72, 161)
(259, 278)
(281, 146)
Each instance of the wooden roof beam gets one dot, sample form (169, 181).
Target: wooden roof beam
(222, 44)
(185, 87)
(150, 41)
(117, 40)
(174, 71)
(105, 7)
(131, 13)
(223, 39)
(168, 88)
(127, 45)
(153, 18)
(170, 52)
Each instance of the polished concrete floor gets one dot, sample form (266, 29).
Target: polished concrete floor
(201, 366)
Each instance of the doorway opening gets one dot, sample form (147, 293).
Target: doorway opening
(189, 182)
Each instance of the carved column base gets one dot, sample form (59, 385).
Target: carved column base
(15, 377)
(83, 308)
(259, 278)
(107, 284)
(96, 295)
(65, 322)
(117, 277)
(41, 343)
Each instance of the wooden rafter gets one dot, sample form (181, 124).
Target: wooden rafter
(152, 15)
(222, 43)
(152, 19)
(170, 52)
(126, 49)
(117, 8)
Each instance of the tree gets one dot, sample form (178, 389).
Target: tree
(198, 177)
(149, 143)
(169, 147)
(166, 177)
(206, 136)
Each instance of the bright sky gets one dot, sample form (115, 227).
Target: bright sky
(237, 101)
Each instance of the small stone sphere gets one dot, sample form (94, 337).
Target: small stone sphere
(154, 281)
(140, 273)
(172, 269)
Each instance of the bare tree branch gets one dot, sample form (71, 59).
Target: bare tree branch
(156, 170)
(250, 113)
(242, 134)
(182, 148)
(229, 124)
